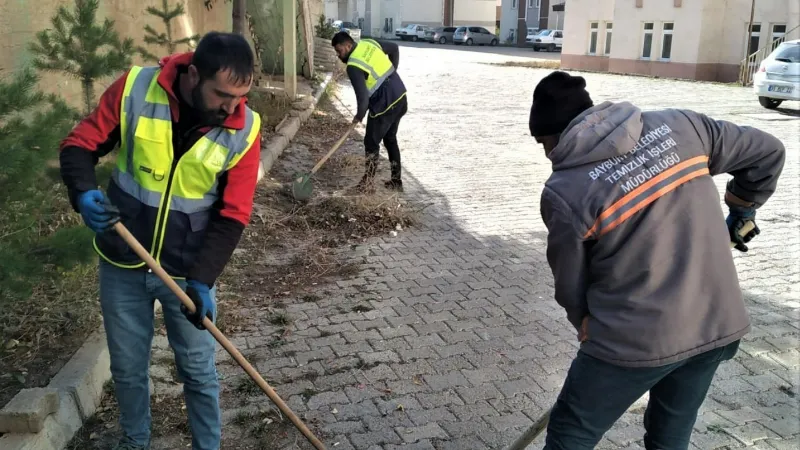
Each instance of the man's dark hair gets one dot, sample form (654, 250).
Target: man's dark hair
(341, 37)
(220, 51)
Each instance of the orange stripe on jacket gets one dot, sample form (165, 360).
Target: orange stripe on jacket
(636, 192)
(653, 197)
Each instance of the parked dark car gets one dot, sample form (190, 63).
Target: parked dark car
(443, 35)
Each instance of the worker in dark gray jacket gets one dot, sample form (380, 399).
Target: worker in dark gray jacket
(640, 252)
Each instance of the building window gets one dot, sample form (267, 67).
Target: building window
(647, 40)
(593, 29)
(513, 4)
(778, 35)
(609, 28)
(534, 3)
(666, 40)
(755, 36)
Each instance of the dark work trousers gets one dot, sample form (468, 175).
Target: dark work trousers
(384, 128)
(596, 393)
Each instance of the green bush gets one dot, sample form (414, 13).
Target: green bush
(33, 236)
(323, 29)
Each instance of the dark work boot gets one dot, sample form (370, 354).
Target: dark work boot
(394, 185)
(367, 183)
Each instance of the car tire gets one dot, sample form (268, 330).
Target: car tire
(551, 48)
(469, 41)
(493, 43)
(443, 40)
(535, 48)
(413, 39)
(769, 103)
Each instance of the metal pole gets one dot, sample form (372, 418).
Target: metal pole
(745, 70)
(290, 48)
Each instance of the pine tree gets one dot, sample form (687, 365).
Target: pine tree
(33, 232)
(164, 39)
(80, 47)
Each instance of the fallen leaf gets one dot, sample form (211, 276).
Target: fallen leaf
(400, 407)
(417, 380)
(93, 436)
(335, 411)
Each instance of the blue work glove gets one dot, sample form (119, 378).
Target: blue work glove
(97, 212)
(736, 220)
(204, 305)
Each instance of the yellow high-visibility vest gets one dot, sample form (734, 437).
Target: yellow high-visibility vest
(369, 57)
(164, 202)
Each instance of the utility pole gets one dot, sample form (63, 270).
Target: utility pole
(745, 69)
(290, 48)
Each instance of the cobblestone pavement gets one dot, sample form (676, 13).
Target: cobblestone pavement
(457, 342)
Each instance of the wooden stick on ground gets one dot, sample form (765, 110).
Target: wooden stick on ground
(229, 347)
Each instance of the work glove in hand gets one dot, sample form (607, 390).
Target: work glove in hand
(97, 211)
(204, 305)
(736, 220)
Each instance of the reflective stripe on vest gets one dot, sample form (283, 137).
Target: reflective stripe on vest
(369, 57)
(146, 169)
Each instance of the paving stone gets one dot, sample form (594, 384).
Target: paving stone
(743, 415)
(404, 403)
(750, 433)
(785, 428)
(428, 431)
(450, 380)
(503, 423)
(462, 443)
(325, 399)
(443, 398)
(438, 415)
(381, 437)
(424, 444)
(714, 440)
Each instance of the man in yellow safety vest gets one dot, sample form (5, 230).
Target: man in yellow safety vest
(183, 185)
(372, 69)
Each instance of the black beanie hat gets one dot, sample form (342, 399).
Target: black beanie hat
(557, 99)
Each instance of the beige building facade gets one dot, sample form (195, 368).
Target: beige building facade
(21, 20)
(691, 39)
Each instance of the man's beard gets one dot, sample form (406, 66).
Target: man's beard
(207, 115)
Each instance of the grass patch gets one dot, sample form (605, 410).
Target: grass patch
(246, 386)
(48, 285)
(311, 298)
(272, 108)
(280, 319)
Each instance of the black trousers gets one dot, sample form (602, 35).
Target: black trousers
(384, 128)
(596, 393)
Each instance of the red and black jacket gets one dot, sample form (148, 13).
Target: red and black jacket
(99, 133)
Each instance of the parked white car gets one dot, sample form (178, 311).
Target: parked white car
(778, 77)
(412, 32)
(351, 29)
(550, 40)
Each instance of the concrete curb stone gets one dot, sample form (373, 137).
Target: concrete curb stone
(272, 149)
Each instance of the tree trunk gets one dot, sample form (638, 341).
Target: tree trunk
(88, 95)
(239, 16)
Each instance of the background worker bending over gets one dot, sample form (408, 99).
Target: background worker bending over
(372, 69)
